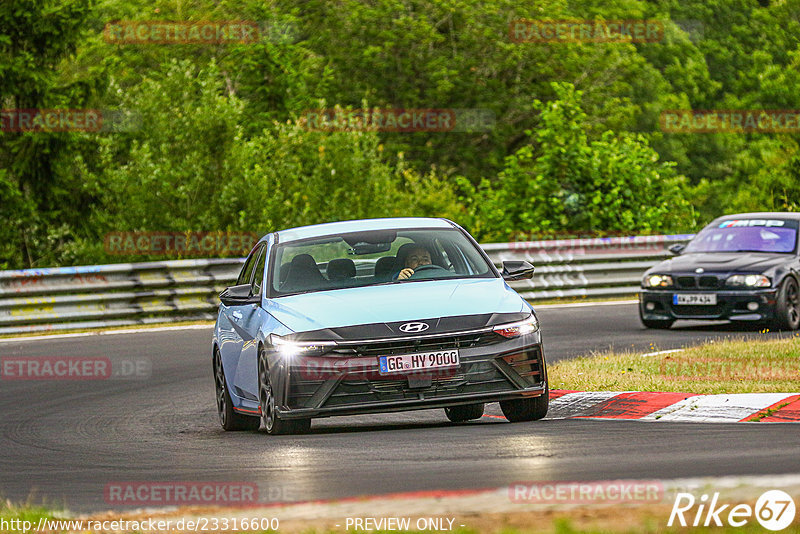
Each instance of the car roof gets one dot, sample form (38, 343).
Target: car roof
(342, 227)
(762, 215)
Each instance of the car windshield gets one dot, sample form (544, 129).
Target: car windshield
(375, 257)
(747, 235)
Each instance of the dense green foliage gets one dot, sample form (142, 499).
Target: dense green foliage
(611, 184)
(214, 137)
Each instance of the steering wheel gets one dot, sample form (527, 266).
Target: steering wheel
(426, 271)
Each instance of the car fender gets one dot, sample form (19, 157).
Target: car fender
(782, 273)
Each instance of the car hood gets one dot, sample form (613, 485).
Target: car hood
(396, 302)
(721, 263)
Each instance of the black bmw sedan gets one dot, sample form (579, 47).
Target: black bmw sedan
(742, 267)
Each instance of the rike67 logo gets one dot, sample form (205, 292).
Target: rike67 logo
(774, 510)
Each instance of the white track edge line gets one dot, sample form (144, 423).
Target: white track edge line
(583, 304)
(107, 333)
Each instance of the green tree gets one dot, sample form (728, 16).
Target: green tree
(565, 182)
(36, 38)
(192, 167)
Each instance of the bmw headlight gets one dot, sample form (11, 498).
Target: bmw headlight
(748, 280)
(658, 280)
(290, 349)
(521, 328)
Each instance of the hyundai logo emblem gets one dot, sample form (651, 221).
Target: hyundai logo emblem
(410, 328)
(699, 270)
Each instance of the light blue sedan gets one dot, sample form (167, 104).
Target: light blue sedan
(376, 315)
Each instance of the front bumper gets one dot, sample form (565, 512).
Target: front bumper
(488, 372)
(408, 404)
(731, 305)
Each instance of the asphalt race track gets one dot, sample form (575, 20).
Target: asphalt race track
(64, 441)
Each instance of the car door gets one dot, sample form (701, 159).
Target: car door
(251, 322)
(231, 334)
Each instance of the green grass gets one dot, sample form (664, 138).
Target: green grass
(21, 512)
(729, 366)
(582, 300)
(584, 520)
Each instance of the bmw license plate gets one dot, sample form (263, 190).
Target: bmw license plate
(695, 299)
(404, 363)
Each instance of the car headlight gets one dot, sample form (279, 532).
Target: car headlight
(521, 328)
(290, 349)
(748, 280)
(658, 280)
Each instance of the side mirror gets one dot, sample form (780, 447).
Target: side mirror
(517, 270)
(677, 248)
(238, 295)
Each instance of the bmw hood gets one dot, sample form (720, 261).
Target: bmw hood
(720, 263)
(380, 306)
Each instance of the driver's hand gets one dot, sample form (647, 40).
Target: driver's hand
(405, 274)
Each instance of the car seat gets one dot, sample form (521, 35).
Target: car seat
(341, 269)
(384, 267)
(303, 274)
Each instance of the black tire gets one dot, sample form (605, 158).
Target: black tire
(270, 422)
(528, 409)
(228, 417)
(465, 412)
(787, 309)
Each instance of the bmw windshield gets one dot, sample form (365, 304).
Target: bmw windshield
(747, 235)
(361, 259)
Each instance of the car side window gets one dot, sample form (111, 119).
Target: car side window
(247, 270)
(259, 275)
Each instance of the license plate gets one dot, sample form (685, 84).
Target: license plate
(404, 363)
(695, 299)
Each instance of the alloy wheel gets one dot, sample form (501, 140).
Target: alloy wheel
(793, 303)
(265, 396)
(219, 385)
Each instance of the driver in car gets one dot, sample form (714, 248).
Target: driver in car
(415, 258)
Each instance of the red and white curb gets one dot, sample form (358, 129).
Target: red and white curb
(675, 407)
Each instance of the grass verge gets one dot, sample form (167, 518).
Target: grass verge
(585, 520)
(55, 331)
(12, 515)
(729, 366)
(628, 299)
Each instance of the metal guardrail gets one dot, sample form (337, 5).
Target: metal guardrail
(95, 296)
